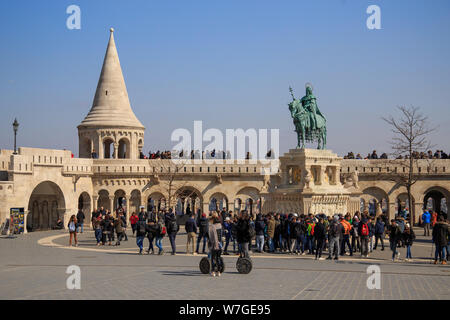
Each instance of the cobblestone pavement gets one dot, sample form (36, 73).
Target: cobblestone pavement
(33, 266)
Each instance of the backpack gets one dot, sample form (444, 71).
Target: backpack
(364, 229)
(172, 226)
(251, 231)
(312, 228)
(141, 226)
(334, 230)
(163, 231)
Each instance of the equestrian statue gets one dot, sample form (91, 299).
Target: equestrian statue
(309, 122)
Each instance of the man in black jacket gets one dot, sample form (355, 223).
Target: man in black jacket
(202, 232)
(334, 236)
(152, 229)
(172, 229)
(319, 234)
(440, 238)
(395, 235)
(80, 220)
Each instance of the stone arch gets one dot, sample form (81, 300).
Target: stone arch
(108, 148)
(84, 204)
(436, 198)
(47, 204)
(124, 150)
(120, 200)
(156, 200)
(251, 198)
(186, 200)
(218, 201)
(103, 200)
(135, 200)
(376, 200)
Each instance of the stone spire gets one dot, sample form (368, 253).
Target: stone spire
(111, 106)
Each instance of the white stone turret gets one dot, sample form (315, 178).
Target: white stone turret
(111, 128)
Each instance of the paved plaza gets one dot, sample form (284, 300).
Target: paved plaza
(33, 266)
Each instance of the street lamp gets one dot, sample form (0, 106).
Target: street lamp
(15, 127)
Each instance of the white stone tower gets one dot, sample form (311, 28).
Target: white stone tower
(111, 128)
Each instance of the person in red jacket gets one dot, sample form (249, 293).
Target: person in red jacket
(133, 220)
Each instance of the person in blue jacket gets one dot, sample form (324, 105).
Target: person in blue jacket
(426, 220)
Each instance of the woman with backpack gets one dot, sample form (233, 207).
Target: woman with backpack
(408, 239)
(160, 233)
(72, 226)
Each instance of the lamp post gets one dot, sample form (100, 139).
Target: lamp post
(15, 127)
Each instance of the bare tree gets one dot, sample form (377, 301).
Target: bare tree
(411, 137)
(168, 176)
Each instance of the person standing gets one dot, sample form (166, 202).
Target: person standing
(319, 234)
(72, 226)
(227, 227)
(97, 228)
(408, 239)
(133, 221)
(152, 230)
(394, 237)
(334, 234)
(141, 230)
(259, 229)
(440, 238)
(172, 229)
(214, 244)
(202, 232)
(80, 220)
(345, 236)
(118, 226)
(379, 233)
(426, 220)
(310, 234)
(356, 244)
(191, 230)
(243, 236)
(364, 232)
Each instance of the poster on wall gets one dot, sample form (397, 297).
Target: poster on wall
(17, 219)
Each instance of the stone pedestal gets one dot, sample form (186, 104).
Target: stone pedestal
(310, 183)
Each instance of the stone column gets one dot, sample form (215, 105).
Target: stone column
(127, 204)
(111, 203)
(94, 203)
(337, 175)
(205, 208)
(417, 211)
(116, 150)
(25, 218)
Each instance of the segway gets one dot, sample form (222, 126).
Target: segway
(205, 265)
(244, 265)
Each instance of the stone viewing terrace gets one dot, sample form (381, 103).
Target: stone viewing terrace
(376, 166)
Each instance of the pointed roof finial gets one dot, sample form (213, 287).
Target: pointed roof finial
(111, 106)
(111, 29)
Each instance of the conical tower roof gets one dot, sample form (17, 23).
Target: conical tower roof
(111, 106)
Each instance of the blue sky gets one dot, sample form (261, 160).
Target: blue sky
(227, 63)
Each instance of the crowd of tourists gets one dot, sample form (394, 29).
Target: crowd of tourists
(439, 154)
(294, 234)
(184, 154)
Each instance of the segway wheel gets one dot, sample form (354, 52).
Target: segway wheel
(221, 265)
(244, 265)
(204, 265)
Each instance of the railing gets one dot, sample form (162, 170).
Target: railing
(424, 166)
